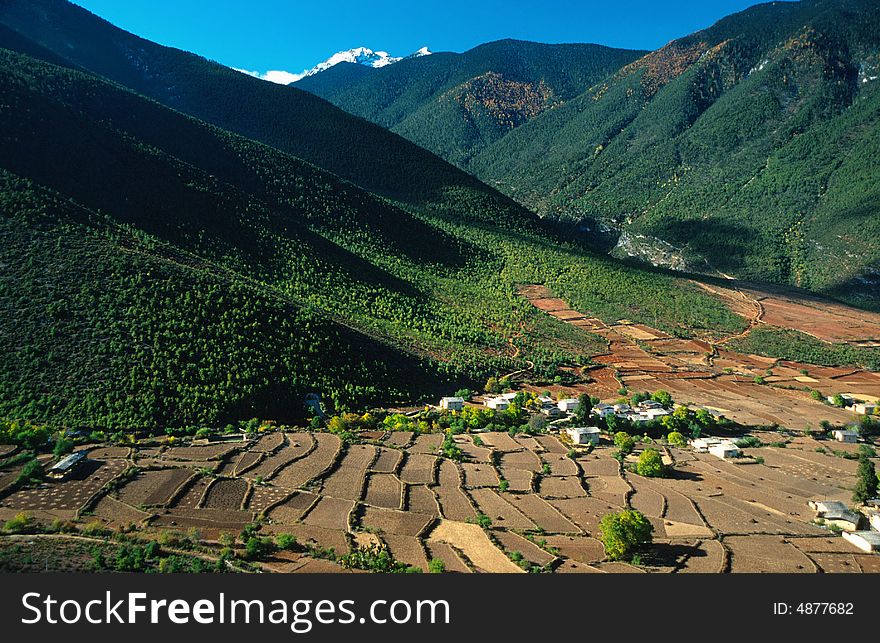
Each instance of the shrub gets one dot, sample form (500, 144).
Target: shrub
(651, 464)
(624, 442)
(436, 566)
(676, 439)
(623, 532)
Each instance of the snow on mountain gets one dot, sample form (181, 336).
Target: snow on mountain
(358, 55)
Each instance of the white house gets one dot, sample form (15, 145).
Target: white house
(497, 403)
(836, 513)
(845, 435)
(875, 521)
(701, 445)
(725, 449)
(568, 405)
(867, 541)
(584, 435)
(452, 403)
(864, 408)
(652, 413)
(602, 410)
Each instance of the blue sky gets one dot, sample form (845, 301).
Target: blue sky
(293, 35)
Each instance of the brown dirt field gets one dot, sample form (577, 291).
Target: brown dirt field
(246, 460)
(525, 460)
(330, 513)
(390, 521)
(421, 499)
(399, 438)
(646, 499)
(407, 550)
(560, 464)
(105, 453)
(448, 474)
(318, 537)
(203, 519)
(268, 443)
(619, 568)
(584, 512)
(387, 461)
(836, 563)
(297, 446)
(870, 563)
(454, 563)
(704, 557)
(479, 475)
(512, 542)
(474, 544)
(418, 468)
(830, 544)
(7, 449)
(542, 513)
(226, 494)
(200, 453)
(454, 504)
(427, 443)
(529, 443)
(70, 494)
(116, 513)
(301, 471)
(154, 487)
(569, 487)
(263, 497)
(599, 465)
(756, 553)
(473, 452)
(582, 549)
(347, 480)
(500, 441)
(502, 513)
(517, 479)
(612, 489)
(552, 444)
(384, 490)
(191, 497)
(573, 567)
(293, 509)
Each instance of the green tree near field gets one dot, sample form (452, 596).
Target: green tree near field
(650, 464)
(676, 439)
(662, 397)
(866, 481)
(624, 442)
(624, 532)
(584, 408)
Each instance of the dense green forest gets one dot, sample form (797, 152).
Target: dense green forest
(458, 104)
(752, 144)
(167, 271)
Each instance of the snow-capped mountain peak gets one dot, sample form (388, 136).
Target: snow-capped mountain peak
(358, 55)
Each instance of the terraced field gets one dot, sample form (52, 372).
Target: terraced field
(397, 491)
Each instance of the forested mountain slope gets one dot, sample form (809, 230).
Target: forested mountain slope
(751, 144)
(457, 104)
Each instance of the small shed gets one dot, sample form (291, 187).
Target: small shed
(837, 514)
(452, 403)
(867, 541)
(725, 450)
(845, 435)
(584, 435)
(66, 465)
(568, 405)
